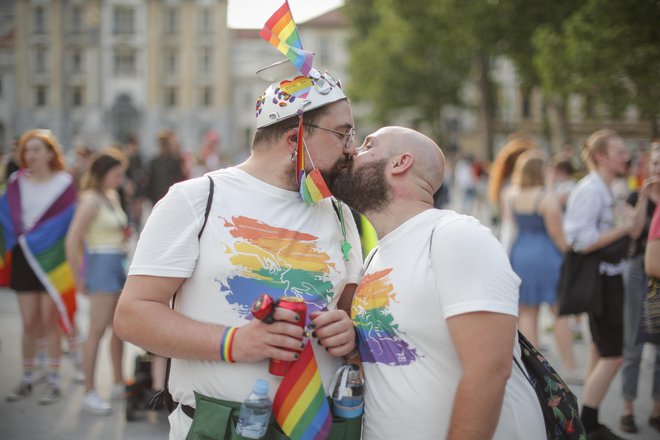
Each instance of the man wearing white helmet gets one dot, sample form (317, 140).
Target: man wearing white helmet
(259, 237)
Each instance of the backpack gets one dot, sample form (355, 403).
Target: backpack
(558, 403)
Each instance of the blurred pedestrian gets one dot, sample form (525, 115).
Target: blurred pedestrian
(652, 267)
(499, 182)
(635, 289)
(135, 182)
(99, 227)
(537, 251)
(167, 168)
(35, 214)
(589, 226)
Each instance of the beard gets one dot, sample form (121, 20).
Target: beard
(330, 175)
(365, 189)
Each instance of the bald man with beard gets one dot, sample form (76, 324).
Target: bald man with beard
(436, 310)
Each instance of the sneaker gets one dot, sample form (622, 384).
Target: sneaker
(51, 395)
(628, 424)
(603, 433)
(21, 391)
(118, 391)
(654, 422)
(94, 404)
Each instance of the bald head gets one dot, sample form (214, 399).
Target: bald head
(428, 161)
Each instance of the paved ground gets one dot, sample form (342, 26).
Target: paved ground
(64, 420)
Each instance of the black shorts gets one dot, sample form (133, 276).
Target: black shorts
(607, 327)
(23, 278)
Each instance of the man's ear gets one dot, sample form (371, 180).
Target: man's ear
(401, 163)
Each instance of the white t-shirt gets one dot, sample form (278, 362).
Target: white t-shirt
(37, 197)
(400, 310)
(258, 239)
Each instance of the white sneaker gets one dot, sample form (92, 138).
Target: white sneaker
(94, 404)
(118, 391)
(51, 395)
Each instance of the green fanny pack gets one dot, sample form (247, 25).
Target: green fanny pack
(216, 419)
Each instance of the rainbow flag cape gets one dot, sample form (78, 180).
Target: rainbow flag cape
(43, 246)
(301, 407)
(280, 30)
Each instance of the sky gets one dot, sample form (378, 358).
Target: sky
(252, 14)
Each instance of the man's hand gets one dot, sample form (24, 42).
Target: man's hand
(256, 340)
(334, 331)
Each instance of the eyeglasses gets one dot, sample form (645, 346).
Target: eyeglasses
(348, 137)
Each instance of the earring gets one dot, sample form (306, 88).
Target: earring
(294, 153)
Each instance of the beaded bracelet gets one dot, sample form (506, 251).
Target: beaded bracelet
(226, 344)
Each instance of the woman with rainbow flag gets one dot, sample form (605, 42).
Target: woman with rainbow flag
(35, 213)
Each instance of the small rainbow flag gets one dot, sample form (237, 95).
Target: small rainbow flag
(301, 407)
(313, 188)
(280, 30)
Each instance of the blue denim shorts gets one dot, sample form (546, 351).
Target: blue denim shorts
(105, 272)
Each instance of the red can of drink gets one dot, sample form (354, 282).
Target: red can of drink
(277, 367)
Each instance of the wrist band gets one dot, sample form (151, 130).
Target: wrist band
(226, 344)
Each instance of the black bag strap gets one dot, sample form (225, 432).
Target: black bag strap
(165, 393)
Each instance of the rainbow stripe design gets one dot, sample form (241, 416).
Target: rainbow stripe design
(313, 188)
(379, 340)
(43, 246)
(280, 30)
(277, 261)
(301, 407)
(226, 344)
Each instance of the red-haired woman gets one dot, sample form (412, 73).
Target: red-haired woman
(35, 213)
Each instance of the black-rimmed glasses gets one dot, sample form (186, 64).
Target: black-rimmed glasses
(348, 137)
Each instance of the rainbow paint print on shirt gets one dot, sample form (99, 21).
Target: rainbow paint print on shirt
(278, 262)
(378, 335)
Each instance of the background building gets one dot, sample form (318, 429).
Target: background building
(97, 71)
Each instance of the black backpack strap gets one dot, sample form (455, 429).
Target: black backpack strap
(165, 396)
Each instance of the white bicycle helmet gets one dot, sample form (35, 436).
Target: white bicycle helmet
(292, 91)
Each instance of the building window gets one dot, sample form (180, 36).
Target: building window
(40, 20)
(207, 97)
(171, 21)
(171, 62)
(76, 61)
(526, 104)
(170, 97)
(205, 57)
(76, 96)
(324, 52)
(40, 96)
(206, 21)
(590, 107)
(123, 20)
(76, 20)
(125, 62)
(40, 59)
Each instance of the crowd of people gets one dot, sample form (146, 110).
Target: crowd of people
(435, 305)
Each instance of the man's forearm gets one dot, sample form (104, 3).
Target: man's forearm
(477, 406)
(161, 330)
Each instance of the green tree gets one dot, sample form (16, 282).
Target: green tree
(609, 49)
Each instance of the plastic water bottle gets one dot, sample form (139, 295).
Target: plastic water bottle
(348, 392)
(255, 412)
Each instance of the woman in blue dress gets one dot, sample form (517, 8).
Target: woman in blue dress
(536, 253)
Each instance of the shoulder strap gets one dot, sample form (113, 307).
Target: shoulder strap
(209, 201)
